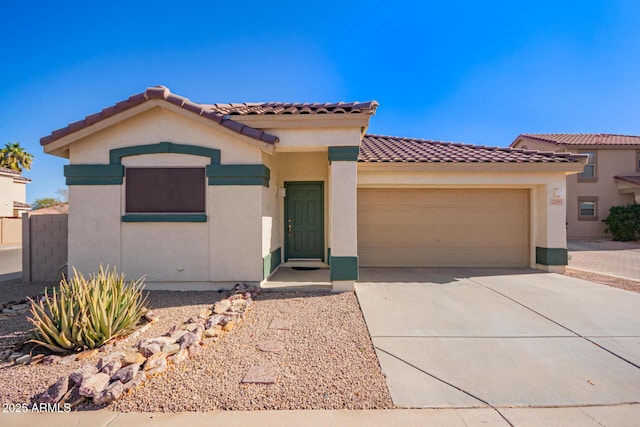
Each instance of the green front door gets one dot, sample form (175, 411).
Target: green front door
(304, 220)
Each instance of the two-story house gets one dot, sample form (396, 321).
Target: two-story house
(13, 195)
(610, 178)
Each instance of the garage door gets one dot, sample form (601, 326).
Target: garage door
(443, 228)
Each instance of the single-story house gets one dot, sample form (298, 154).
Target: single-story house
(610, 178)
(201, 196)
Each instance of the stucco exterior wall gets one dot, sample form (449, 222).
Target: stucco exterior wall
(225, 249)
(610, 161)
(608, 164)
(310, 139)
(157, 125)
(11, 191)
(271, 218)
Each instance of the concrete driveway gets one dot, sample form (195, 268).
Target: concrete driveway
(501, 338)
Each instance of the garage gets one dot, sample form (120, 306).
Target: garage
(402, 227)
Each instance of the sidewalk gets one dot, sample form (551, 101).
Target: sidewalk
(621, 415)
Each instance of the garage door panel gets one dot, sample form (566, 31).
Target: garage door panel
(443, 228)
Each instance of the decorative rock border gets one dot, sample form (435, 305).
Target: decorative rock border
(121, 372)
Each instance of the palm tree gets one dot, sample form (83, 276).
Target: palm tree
(14, 157)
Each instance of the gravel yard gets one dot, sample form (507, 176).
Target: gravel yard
(328, 361)
(627, 285)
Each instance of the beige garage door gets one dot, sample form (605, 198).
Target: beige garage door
(443, 228)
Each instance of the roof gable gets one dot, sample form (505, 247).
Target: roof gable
(160, 93)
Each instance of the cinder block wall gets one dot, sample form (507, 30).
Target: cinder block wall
(44, 246)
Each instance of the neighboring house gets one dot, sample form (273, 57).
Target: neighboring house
(198, 196)
(13, 195)
(610, 178)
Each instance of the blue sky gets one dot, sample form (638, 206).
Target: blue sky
(467, 71)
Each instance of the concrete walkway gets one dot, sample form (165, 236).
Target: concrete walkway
(618, 259)
(618, 416)
(503, 339)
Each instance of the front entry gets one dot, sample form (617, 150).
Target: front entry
(304, 220)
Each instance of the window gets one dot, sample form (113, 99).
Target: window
(589, 172)
(165, 190)
(587, 208)
(638, 161)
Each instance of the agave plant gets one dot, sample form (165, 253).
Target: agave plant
(84, 314)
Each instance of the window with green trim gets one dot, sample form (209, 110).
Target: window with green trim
(165, 190)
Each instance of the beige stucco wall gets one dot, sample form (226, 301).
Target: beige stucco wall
(609, 162)
(11, 191)
(159, 125)
(311, 139)
(271, 218)
(547, 225)
(224, 250)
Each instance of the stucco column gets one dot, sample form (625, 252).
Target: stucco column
(343, 217)
(551, 240)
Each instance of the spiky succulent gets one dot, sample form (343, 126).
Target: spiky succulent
(84, 314)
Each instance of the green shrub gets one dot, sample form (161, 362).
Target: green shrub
(84, 314)
(623, 222)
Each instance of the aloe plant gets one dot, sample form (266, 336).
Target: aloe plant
(84, 314)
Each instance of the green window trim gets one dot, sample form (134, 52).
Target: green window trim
(344, 268)
(164, 218)
(551, 256)
(113, 173)
(93, 174)
(344, 153)
(116, 154)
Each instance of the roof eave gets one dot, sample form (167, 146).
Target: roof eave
(60, 147)
(567, 168)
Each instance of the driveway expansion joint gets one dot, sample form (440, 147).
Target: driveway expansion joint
(557, 323)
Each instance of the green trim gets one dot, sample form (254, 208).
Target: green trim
(551, 256)
(175, 217)
(94, 180)
(116, 154)
(270, 262)
(329, 256)
(344, 268)
(93, 174)
(239, 175)
(344, 153)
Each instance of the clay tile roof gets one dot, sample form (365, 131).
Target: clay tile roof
(633, 180)
(282, 108)
(387, 149)
(160, 93)
(583, 138)
(21, 205)
(8, 171)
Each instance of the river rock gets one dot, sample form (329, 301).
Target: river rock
(156, 362)
(126, 374)
(104, 361)
(68, 359)
(94, 384)
(180, 356)
(194, 349)
(188, 340)
(136, 381)
(221, 306)
(171, 349)
(111, 367)
(205, 313)
(109, 394)
(211, 332)
(149, 349)
(79, 375)
(133, 358)
(56, 391)
(215, 320)
(229, 326)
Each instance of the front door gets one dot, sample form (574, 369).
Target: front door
(304, 220)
